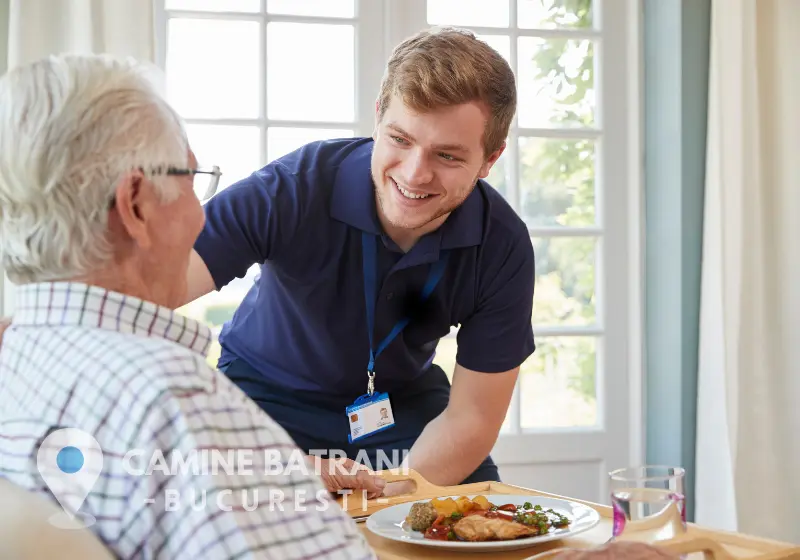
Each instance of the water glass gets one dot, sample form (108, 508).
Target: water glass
(649, 503)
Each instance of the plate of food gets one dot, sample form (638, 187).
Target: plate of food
(483, 522)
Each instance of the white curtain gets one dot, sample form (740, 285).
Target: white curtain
(38, 28)
(748, 444)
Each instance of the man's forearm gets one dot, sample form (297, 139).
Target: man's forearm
(450, 449)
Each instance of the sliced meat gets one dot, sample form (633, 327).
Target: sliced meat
(479, 528)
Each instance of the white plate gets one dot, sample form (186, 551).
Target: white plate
(390, 523)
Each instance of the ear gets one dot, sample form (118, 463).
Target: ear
(131, 208)
(377, 119)
(490, 161)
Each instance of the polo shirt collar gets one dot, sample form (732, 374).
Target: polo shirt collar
(353, 196)
(353, 202)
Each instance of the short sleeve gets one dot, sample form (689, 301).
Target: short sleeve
(499, 336)
(250, 222)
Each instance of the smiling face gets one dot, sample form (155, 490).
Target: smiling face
(424, 165)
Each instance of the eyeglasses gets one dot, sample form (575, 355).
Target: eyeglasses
(206, 180)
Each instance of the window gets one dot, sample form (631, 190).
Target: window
(551, 173)
(247, 76)
(249, 80)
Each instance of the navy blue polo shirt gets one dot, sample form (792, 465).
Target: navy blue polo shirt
(302, 325)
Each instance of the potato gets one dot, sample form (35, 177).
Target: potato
(481, 502)
(464, 504)
(445, 507)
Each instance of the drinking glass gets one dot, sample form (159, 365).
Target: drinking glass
(649, 503)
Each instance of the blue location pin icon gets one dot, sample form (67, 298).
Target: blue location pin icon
(70, 461)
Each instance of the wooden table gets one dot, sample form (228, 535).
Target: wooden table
(697, 543)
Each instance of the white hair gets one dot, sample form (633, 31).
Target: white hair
(71, 127)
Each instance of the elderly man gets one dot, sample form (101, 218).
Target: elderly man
(98, 218)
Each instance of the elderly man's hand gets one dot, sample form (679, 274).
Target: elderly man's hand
(343, 474)
(621, 550)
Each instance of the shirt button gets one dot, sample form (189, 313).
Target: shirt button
(390, 295)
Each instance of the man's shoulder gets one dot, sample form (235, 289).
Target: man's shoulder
(157, 361)
(301, 179)
(172, 381)
(504, 228)
(322, 156)
(312, 166)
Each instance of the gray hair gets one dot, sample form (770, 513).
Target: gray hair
(71, 127)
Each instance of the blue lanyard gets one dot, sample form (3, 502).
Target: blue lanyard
(369, 246)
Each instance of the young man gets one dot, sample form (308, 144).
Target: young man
(371, 250)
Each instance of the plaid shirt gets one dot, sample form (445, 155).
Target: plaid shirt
(134, 376)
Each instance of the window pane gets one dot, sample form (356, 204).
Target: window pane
(446, 355)
(318, 8)
(549, 14)
(215, 5)
(235, 149)
(497, 176)
(212, 68)
(479, 13)
(281, 140)
(310, 72)
(558, 384)
(500, 43)
(557, 181)
(556, 83)
(565, 281)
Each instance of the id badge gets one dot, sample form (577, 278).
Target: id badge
(369, 415)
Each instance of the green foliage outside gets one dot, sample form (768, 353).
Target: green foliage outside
(557, 188)
(565, 173)
(218, 315)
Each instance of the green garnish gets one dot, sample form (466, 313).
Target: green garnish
(457, 515)
(528, 505)
(451, 536)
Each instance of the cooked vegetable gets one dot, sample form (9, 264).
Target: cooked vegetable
(445, 507)
(482, 502)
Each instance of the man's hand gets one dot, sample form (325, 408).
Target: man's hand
(621, 550)
(341, 474)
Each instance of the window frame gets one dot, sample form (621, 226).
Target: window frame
(381, 24)
(618, 260)
(368, 22)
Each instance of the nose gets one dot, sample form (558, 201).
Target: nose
(417, 169)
